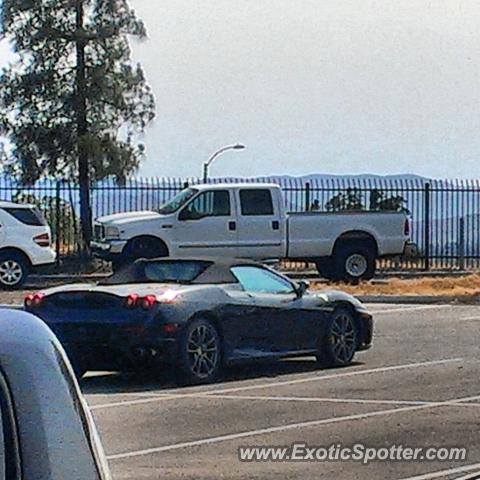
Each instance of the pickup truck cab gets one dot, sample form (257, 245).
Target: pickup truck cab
(250, 221)
(25, 243)
(46, 430)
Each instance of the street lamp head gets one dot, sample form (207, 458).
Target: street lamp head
(238, 146)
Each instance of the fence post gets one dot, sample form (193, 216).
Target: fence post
(426, 225)
(57, 222)
(461, 246)
(307, 197)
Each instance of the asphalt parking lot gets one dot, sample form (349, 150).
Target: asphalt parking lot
(417, 387)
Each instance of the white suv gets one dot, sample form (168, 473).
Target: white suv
(25, 243)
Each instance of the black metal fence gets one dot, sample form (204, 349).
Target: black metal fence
(445, 213)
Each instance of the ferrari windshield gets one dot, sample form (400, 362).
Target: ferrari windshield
(178, 201)
(184, 271)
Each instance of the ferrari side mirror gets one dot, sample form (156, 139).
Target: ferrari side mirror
(302, 287)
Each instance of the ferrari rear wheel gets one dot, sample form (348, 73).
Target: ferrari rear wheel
(339, 343)
(200, 352)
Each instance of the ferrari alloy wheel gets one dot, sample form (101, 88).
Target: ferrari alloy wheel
(201, 352)
(340, 340)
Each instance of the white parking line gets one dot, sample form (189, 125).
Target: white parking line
(339, 375)
(208, 395)
(410, 309)
(140, 401)
(335, 400)
(469, 318)
(444, 473)
(280, 428)
(172, 395)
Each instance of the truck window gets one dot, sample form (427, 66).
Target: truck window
(256, 202)
(215, 203)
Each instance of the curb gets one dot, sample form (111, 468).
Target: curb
(420, 300)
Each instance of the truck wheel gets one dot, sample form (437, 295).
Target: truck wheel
(325, 268)
(13, 270)
(354, 262)
(144, 247)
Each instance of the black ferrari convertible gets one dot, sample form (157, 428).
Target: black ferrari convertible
(200, 315)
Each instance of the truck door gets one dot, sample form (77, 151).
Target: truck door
(261, 227)
(206, 226)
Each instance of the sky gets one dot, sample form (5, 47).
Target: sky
(312, 86)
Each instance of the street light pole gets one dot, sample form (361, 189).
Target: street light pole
(207, 164)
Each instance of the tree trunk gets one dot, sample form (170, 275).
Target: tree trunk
(82, 129)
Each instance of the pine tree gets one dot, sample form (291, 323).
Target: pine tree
(72, 103)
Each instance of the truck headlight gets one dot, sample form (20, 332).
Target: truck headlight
(112, 233)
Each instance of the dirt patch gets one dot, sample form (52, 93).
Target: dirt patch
(463, 286)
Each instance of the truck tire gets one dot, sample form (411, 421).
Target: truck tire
(354, 261)
(325, 268)
(144, 247)
(14, 269)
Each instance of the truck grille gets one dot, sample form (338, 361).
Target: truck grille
(99, 232)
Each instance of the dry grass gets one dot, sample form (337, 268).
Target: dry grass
(464, 286)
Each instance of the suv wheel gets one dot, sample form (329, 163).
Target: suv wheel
(13, 270)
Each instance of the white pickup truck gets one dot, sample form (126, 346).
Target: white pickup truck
(249, 221)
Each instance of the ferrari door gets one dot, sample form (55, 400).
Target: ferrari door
(243, 333)
(276, 302)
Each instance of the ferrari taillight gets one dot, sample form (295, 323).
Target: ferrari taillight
(132, 300)
(34, 300)
(148, 302)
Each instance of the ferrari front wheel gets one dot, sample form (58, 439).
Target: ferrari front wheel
(200, 352)
(339, 342)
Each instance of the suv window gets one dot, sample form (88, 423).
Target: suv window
(208, 204)
(28, 216)
(256, 202)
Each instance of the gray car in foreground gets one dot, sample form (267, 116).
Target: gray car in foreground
(46, 430)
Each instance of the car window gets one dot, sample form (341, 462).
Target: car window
(167, 272)
(256, 202)
(150, 271)
(259, 280)
(177, 202)
(208, 204)
(27, 216)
